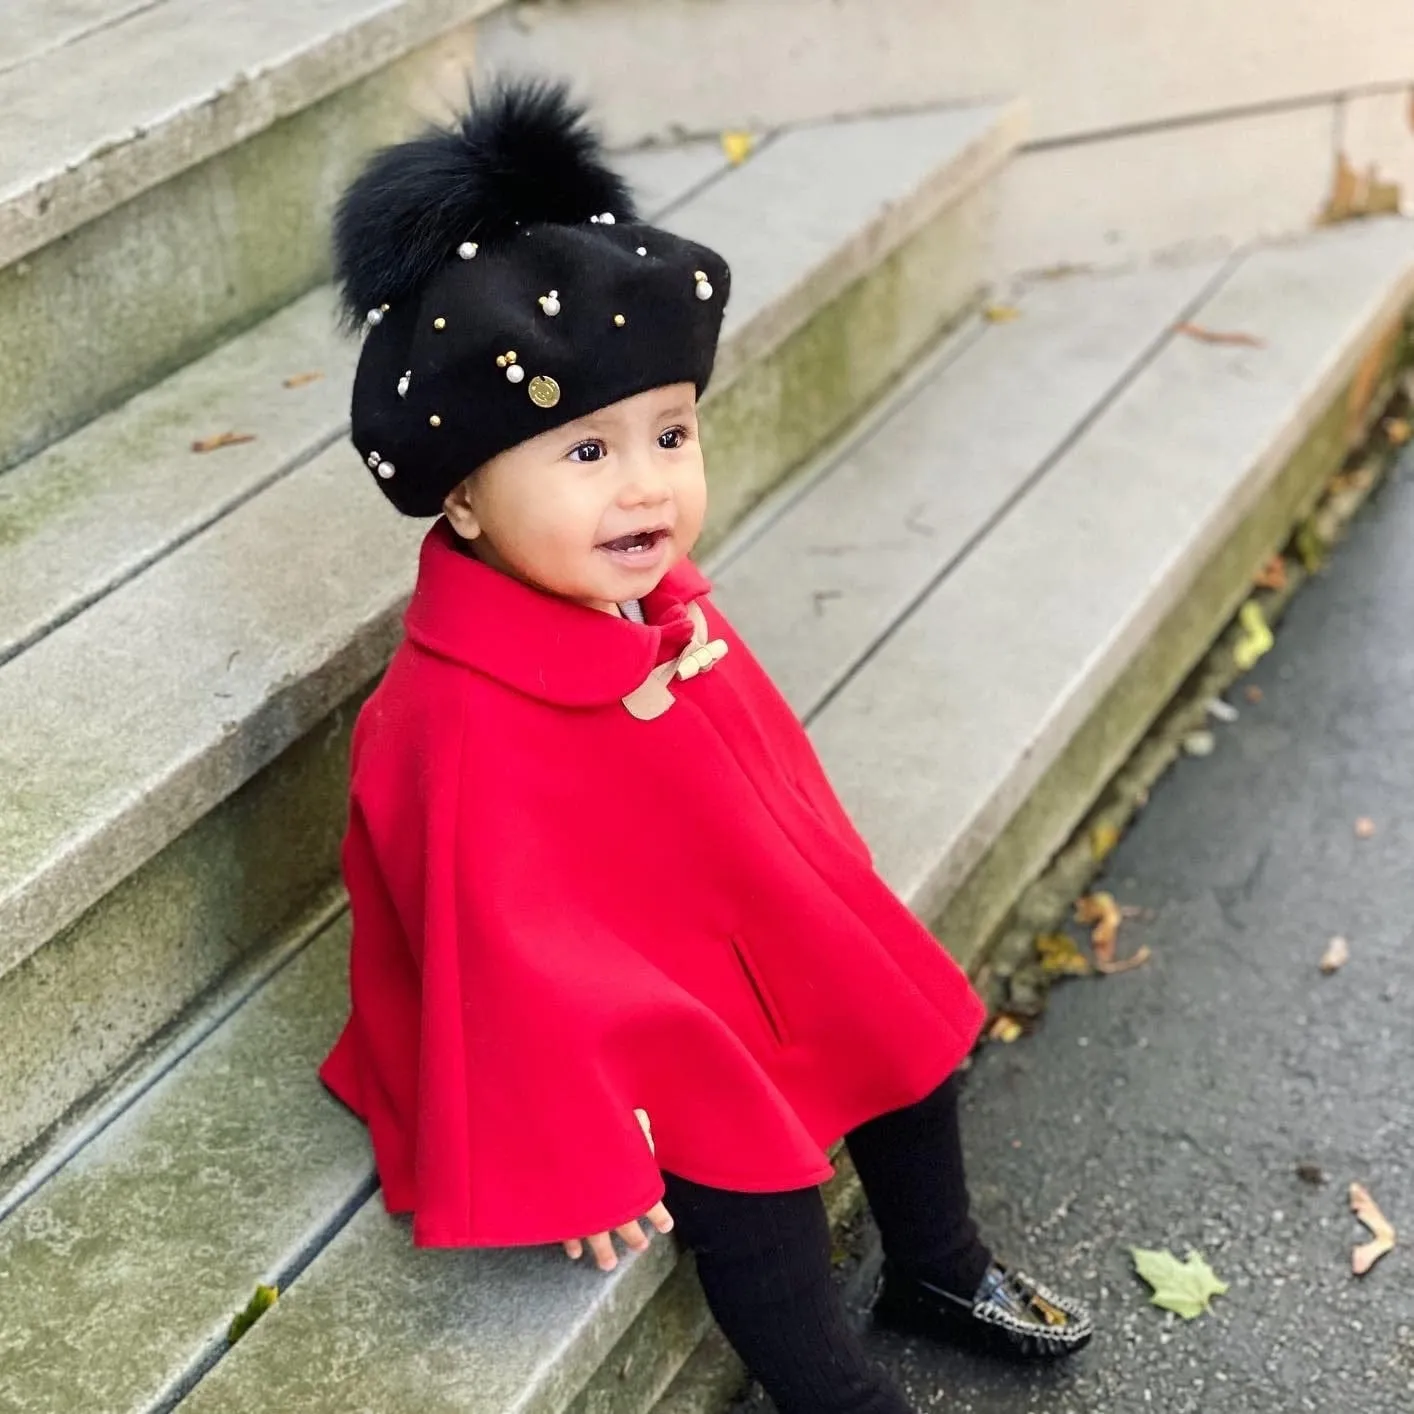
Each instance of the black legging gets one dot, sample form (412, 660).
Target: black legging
(764, 1258)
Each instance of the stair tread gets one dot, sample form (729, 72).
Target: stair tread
(152, 1238)
(239, 68)
(1040, 619)
(276, 580)
(1041, 612)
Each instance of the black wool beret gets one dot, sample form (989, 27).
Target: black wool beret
(506, 287)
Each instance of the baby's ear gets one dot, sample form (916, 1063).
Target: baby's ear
(457, 508)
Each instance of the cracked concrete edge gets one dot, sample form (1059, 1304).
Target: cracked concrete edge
(1047, 856)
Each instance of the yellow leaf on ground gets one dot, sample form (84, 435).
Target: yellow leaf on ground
(1336, 955)
(1060, 957)
(1256, 637)
(222, 439)
(737, 146)
(1005, 1029)
(1101, 914)
(1103, 839)
(1382, 1232)
(1000, 313)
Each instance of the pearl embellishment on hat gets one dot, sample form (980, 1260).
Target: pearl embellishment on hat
(605, 218)
(619, 321)
(704, 289)
(375, 316)
(434, 421)
(643, 250)
(439, 323)
(467, 250)
(403, 383)
(376, 463)
(551, 303)
(514, 372)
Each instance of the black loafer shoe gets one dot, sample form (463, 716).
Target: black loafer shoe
(1009, 1313)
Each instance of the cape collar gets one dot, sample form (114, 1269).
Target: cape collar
(537, 643)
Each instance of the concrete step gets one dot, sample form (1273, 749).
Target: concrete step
(198, 628)
(1025, 573)
(192, 198)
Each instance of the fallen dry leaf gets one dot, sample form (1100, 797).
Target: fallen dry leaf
(1398, 431)
(1220, 336)
(1311, 1173)
(1272, 575)
(1186, 1287)
(1060, 957)
(222, 439)
(1364, 828)
(1000, 313)
(1382, 1233)
(1254, 694)
(298, 380)
(1005, 1029)
(1336, 955)
(1103, 839)
(1101, 914)
(1256, 637)
(737, 146)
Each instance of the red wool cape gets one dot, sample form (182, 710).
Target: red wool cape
(562, 913)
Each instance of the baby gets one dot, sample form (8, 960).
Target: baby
(618, 952)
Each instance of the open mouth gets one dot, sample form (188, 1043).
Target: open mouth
(640, 543)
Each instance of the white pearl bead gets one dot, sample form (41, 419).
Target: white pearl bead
(551, 306)
(704, 290)
(386, 470)
(515, 373)
(467, 250)
(643, 250)
(607, 218)
(403, 384)
(375, 316)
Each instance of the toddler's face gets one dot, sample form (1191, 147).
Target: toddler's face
(599, 509)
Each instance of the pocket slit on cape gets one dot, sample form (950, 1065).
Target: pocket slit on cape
(763, 998)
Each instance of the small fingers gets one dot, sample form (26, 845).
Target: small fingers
(634, 1236)
(574, 1249)
(603, 1248)
(660, 1217)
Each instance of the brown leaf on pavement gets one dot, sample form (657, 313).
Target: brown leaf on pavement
(222, 439)
(1272, 575)
(1336, 955)
(1101, 914)
(1382, 1233)
(1222, 336)
(1364, 828)
(1254, 694)
(298, 380)
(1397, 429)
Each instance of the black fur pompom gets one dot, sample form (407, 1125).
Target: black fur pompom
(522, 154)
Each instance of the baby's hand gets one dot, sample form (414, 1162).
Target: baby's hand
(602, 1245)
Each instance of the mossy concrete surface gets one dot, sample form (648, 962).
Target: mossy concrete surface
(113, 306)
(776, 413)
(83, 1004)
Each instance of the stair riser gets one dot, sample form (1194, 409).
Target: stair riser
(209, 899)
(113, 306)
(968, 913)
(773, 415)
(80, 1008)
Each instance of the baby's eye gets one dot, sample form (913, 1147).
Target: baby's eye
(587, 452)
(672, 439)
